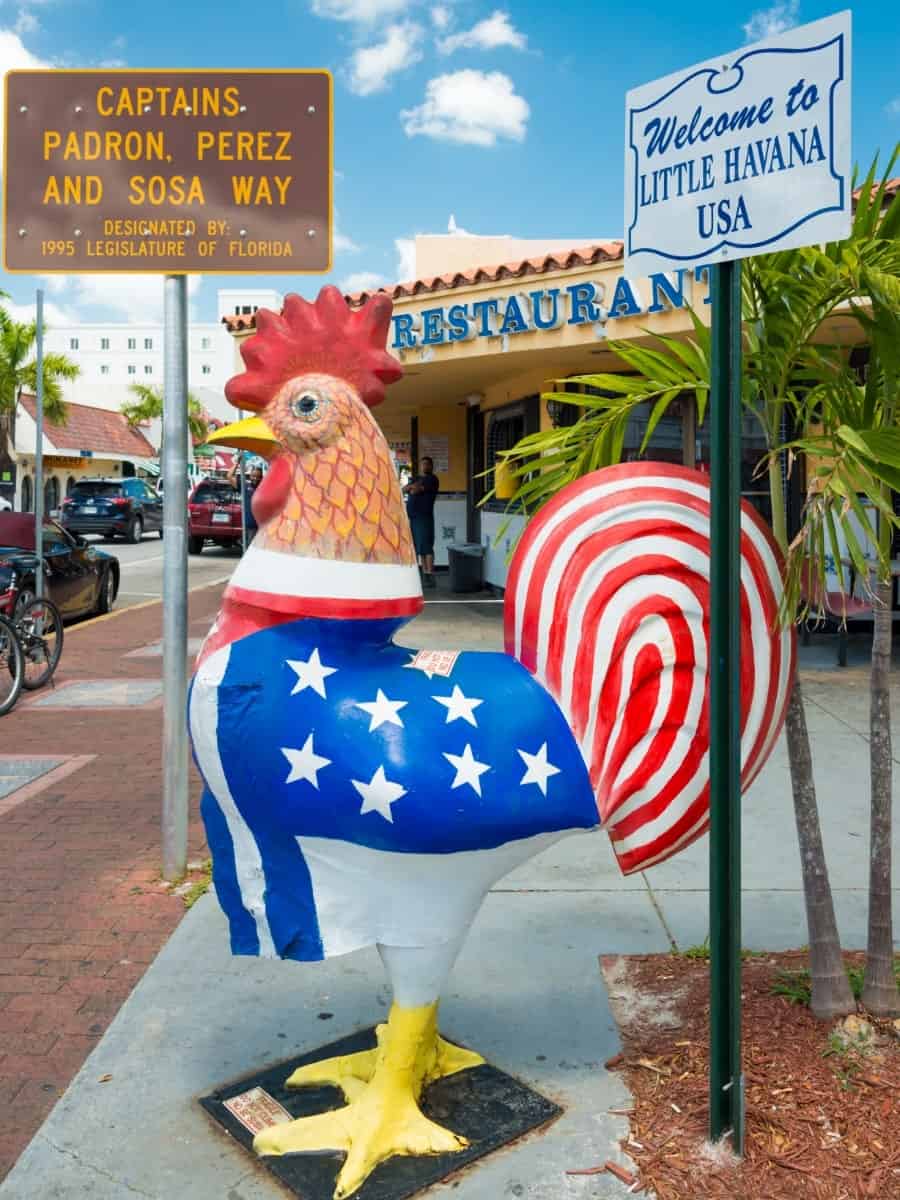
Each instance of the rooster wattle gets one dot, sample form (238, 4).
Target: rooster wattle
(359, 794)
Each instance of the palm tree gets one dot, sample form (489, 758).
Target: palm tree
(18, 369)
(856, 435)
(148, 406)
(787, 296)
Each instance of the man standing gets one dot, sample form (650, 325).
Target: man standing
(421, 493)
(251, 482)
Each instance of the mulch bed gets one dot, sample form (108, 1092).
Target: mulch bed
(822, 1110)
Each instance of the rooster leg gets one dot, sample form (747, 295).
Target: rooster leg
(383, 1117)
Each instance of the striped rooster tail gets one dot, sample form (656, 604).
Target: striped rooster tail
(607, 605)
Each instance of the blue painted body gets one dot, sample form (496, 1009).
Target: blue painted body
(258, 716)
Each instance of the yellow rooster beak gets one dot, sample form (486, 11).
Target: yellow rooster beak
(251, 434)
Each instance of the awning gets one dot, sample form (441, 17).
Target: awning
(149, 468)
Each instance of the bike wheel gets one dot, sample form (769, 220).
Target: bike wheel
(40, 629)
(12, 666)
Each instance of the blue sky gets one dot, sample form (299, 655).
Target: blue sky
(508, 115)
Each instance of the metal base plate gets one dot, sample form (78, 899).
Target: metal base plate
(488, 1107)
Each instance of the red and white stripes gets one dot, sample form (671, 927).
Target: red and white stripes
(607, 604)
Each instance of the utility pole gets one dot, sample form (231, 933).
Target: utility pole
(726, 1080)
(39, 447)
(174, 473)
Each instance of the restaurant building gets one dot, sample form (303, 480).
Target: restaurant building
(479, 344)
(94, 442)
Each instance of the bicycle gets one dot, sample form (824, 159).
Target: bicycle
(12, 665)
(37, 623)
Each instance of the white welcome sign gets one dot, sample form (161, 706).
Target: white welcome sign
(741, 155)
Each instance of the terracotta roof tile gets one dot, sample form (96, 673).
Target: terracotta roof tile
(891, 188)
(94, 429)
(560, 260)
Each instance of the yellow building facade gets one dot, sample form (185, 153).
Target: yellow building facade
(479, 344)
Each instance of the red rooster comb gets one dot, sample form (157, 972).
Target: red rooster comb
(327, 337)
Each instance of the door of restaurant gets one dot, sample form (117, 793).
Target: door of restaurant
(474, 471)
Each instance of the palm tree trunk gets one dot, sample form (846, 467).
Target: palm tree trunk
(831, 994)
(880, 994)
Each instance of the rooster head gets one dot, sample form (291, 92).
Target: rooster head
(313, 373)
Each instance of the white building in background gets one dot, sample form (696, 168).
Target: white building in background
(116, 354)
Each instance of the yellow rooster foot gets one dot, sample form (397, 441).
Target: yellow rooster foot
(383, 1087)
(351, 1072)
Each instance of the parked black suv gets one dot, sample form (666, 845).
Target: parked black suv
(110, 506)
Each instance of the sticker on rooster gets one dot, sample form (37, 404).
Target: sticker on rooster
(434, 662)
(351, 801)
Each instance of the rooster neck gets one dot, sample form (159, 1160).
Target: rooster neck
(343, 503)
(334, 538)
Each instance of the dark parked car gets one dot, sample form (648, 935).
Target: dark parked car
(78, 578)
(214, 514)
(129, 507)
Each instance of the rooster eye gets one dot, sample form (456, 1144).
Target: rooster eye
(307, 406)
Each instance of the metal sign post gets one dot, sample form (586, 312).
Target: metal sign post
(39, 446)
(726, 1091)
(743, 154)
(174, 473)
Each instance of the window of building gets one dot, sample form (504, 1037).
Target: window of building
(104, 368)
(104, 343)
(148, 370)
(70, 483)
(132, 343)
(51, 495)
(148, 343)
(73, 343)
(507, 426)
(27, 494)
(206, 369)
(205, 343)
(132, 369)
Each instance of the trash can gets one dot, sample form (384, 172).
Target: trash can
(466, 567)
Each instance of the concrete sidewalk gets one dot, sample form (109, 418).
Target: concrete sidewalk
(526, 992)
(82, 913)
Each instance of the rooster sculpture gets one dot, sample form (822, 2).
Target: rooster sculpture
(358, 793)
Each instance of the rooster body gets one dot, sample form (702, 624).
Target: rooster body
(378, 801)
(358, 793)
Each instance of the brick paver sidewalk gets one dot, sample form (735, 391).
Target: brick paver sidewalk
(82, 910)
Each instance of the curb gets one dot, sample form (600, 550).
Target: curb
(120, 612)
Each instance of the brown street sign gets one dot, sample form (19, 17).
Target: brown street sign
(213, 172)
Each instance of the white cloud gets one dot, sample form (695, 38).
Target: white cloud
(361, 281)
(15, 57)
(371, 67)
(136, 298)
(441, 16)
(406, 259)
(767, 22)
(491, 33)
(53, 313)
(892, 108)
(362, 12)
(26, 22)
(471, 107)
(13, 54)
(54, 284)
(341, 243)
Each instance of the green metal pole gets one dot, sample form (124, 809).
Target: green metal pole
(726, 1085)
